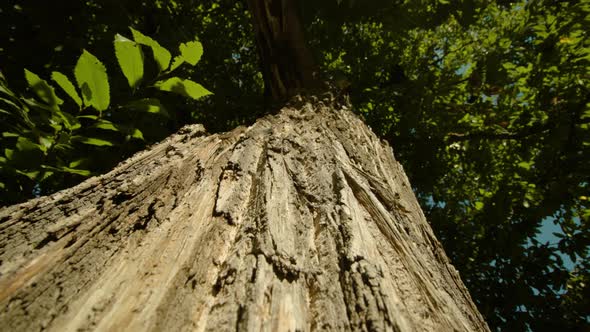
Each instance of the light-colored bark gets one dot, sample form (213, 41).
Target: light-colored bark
(303, 221)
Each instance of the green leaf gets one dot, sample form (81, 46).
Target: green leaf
(89, 116)
(178, 60)
(149, 105)
(31, 102)
(525, 165)
(92, 141)
(46, 142)
(9, 153)
(78, 162)
(161, 55)
(65, 169)
(93, 80)
(12, 104)
(45, 175)
(186, 88)
(130, 59)
(31, 175)
(64, 83)
(106, 125)
(25, 144)
(82, 172)
(137, 134)
(191, 52)
(479, 206)
(45, 92)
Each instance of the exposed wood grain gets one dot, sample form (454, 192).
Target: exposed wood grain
(303, 221)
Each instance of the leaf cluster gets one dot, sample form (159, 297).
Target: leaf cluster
(46, 141)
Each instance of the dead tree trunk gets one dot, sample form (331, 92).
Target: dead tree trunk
(303, 221)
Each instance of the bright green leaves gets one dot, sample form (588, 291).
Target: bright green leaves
(183, 87)
(479, 206)
(130, 59)
(64, 83)
(43, 90)
(131, 62)
(93, 80)
(525, 165)
(92, 141)
(41, 138)
(191, 52)
(161, 55)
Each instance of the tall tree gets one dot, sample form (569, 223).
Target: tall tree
(484, 101)
(302, 221)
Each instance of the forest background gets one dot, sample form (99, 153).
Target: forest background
(486, 104)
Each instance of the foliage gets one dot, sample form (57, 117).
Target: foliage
(41, 138)
(490, 120)
(485, 103)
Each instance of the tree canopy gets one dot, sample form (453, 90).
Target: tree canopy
(486, 104)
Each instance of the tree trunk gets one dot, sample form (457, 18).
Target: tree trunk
(286, 62)
(303, 221)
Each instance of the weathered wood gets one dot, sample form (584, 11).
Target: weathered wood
(303, 221)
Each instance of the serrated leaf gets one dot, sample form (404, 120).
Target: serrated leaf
(43, 90)
(92, 141)
(91, 76)
(149, 105)
(65, 84)
(161, 55)
(130, 59)
(191, 52)
(186, 88)
(178, 60)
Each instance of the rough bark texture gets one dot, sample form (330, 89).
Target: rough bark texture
(303, 221)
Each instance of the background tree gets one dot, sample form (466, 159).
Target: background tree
(486, 104)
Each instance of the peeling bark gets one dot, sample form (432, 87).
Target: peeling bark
(303, 221)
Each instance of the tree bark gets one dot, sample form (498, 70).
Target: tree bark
(287, 64)
(302, 222)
